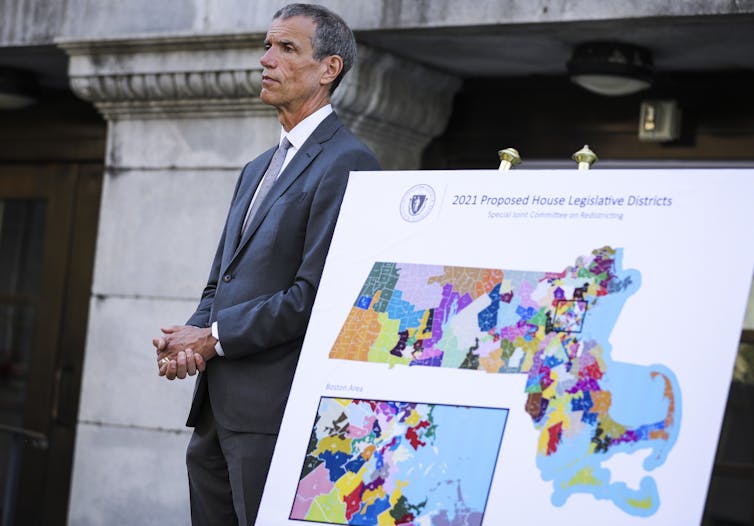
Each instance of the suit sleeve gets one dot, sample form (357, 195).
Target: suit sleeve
(265, 323)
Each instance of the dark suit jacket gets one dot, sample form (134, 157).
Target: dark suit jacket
(261, 289)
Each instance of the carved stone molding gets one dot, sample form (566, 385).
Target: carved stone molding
(167, 86)
(174, 93)
(169, 77)
(397, 106)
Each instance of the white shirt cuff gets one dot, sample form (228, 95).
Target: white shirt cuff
(216, 335)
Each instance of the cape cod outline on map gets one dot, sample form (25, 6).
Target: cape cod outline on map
(552, 326)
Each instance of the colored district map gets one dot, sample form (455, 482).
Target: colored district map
(554, 328)
(372, 462)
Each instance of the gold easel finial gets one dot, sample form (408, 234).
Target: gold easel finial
(585, 157)
(509, 158)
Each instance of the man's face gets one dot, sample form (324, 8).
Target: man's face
(291, 77)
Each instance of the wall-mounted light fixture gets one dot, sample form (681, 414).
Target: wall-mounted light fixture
(659, 121)
(18, 89)
(611, 68)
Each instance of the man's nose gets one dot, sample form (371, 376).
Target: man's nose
(268, 59)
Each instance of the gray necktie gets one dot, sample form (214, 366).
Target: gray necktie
(269, 178)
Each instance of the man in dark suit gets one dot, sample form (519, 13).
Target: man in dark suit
(246, 334)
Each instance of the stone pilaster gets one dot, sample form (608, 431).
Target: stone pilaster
(183, 117)
(395, 105)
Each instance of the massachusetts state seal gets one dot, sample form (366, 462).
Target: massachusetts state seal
(417, 202)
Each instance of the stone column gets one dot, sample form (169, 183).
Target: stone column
(183, 117)
(395, 105)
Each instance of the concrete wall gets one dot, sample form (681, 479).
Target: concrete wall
(24, 22)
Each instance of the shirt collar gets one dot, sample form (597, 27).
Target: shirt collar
(301, 132)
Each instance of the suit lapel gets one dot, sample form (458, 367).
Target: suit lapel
(308, 152)
(238, 214)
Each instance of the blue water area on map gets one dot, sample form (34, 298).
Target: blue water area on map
(599, 321)
(463, 454)
(637, 398)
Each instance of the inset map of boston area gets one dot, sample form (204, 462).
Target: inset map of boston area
(553, 327)
(383, 463)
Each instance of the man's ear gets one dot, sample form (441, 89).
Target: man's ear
(333, 65)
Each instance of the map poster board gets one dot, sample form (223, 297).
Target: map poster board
(530, 347)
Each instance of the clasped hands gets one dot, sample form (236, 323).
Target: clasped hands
(182, 350)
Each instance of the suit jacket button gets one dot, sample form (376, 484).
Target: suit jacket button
(227, 278)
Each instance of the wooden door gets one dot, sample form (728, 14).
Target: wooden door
(48, 218)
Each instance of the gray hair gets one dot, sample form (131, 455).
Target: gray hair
(332, 35)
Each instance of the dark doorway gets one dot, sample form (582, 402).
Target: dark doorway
(51, 167)
(48, 218)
